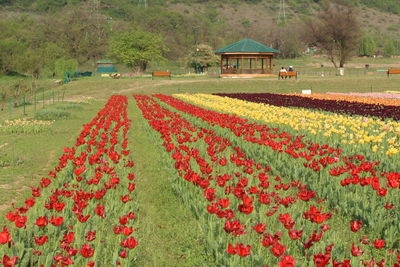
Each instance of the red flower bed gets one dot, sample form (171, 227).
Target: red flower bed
(265, 217)
(326, 162)
(69, 218)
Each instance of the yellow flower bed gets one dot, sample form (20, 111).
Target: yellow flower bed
(383, 136)
(25, 126)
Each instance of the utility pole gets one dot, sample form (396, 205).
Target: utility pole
(195, 31)
(143, 3)
(282, 12)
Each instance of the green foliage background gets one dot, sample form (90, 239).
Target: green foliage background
(35, 34)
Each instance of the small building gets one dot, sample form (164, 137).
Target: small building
(105, 66)
(246, 58)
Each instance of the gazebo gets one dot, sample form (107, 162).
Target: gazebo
(246, 58)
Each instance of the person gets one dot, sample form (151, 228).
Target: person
(290, 68)
(283, 71)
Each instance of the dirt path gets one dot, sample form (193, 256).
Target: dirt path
(160, 84)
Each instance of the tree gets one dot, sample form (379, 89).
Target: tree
(389, 48)
(287, 39)
(203, 57)
(367, 46)
(137, 49)
(336, 31)
(63, 65)
(81, 31)
(10, 50)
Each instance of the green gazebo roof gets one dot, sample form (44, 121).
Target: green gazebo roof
(246, 46)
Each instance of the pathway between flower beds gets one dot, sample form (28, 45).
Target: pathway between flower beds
(168, 232)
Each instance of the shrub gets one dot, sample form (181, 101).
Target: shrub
(52, 114)
(65, 106)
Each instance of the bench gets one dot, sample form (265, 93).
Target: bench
(393, 71)
(287, 74)
(161, 74)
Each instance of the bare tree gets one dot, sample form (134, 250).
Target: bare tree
(288, 39)
(336, 31)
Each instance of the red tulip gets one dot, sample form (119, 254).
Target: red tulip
(278, 249)
(231, 249)
(125, 198)
(99, 210)
(123, 254)
(56, 221)
(379, 243)
(260, 227)
(294, 234)
(9, 262)
(30, 202)
(321, 260)
(41, 240)
(223, 202)
(123, 220)
(356, 251)
(5, 236)
(345, 263)
(20, 221)
(243, 251)
(127, 230)
(131, 187)
(388, 206)
(287, 261)
(45, 182)
(11, 216)
(355, 225)
(87, 251)
(90, 236)
(35, 192)
(130, 243)
(80, 170)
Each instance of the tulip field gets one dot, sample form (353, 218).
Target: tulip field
(271, 179)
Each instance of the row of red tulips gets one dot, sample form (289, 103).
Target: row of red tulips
(260, 209)
(69, 218)
(292, 153)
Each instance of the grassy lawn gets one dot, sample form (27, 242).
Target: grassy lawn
(102, 88)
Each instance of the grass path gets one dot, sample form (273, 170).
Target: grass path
(169, 234)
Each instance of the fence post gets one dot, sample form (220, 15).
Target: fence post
(24, 105)
(10, 109)
(34, 100)
(43, 97)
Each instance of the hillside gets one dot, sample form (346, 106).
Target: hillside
(81, 30)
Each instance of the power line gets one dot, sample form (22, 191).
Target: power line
(282, 12)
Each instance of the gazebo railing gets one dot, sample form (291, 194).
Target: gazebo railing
(246, 71)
